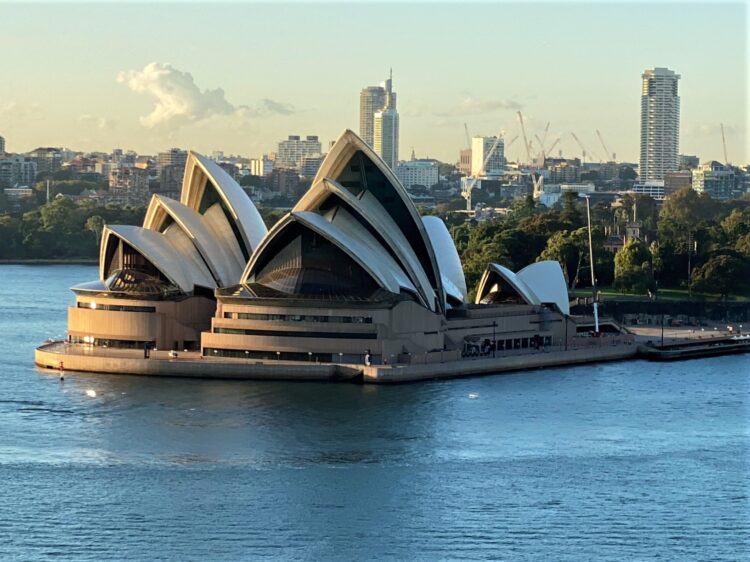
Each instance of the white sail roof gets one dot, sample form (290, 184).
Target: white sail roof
(359, 246)
(448, 259)
(496, 272)
(200, 172)
(373, 214)
(357, 168)
(178, 262)
(539, 283)
(214, 247)
(547, 281)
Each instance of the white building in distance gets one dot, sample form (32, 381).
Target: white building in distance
(18, 171)
(480, 148)
(262, 166)
(660, 123)
(418, 172)
(292, 150)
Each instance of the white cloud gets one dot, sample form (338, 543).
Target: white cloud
(180, 101)
(13, 110)
(709, 130)
(474, 106)
(270, 106)
(98, 122)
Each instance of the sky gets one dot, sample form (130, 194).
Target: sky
(239, 76)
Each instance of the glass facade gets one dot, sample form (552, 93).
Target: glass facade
(304, 263)
(115, 307)
(298, 334)
(298, 318)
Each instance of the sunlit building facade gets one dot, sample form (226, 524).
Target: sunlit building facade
(660, 124)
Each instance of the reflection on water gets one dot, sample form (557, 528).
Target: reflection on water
(612, 462)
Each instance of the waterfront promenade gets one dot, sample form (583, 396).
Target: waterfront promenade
(62, 356)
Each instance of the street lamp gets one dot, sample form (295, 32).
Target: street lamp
(309, 356)
(591, 260)
(278, 355)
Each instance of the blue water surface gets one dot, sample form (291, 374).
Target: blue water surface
(619, 461)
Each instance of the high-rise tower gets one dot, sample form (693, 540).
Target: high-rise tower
(385, 127)
(660, 123)
(371, 100)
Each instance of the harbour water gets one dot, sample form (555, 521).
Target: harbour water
(618, 461)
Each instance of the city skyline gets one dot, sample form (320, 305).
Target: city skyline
(148, 93)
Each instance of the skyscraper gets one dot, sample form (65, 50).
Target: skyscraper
(292, 150)
(2, 146)
(385, 125)
(660, 124)
(480, 151)
(371, 99)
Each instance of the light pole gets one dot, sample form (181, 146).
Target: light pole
(692, 244)
(494, 339)
(591, 261)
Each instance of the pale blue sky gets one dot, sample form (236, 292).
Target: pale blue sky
(577, 65)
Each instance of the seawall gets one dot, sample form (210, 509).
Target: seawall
(71, 358)
(471, 367)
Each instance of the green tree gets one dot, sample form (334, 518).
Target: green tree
(743, 245)
(570, 213)
(59, 216)
(250, 180)
(95, 224)
(590, 175)
(626, 173)
(570, 249)
(633, 270)
(722, 274)
(686, 207)
(446, 170)
(736, 224)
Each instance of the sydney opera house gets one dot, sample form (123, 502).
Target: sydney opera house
(352, 274)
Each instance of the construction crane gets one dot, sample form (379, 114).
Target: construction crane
(604, 146)
(538, 183)
(525, 139)
(544, 137)
(540, 141)
(724, 143)
(466, 193)
(468, 136)
(583, 148)
(553, 145)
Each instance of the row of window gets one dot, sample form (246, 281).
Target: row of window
(116, 307)
(298, 318)
(269, 355)
(311, 356)
(297, 334)
(485, 346)
(118, 344)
